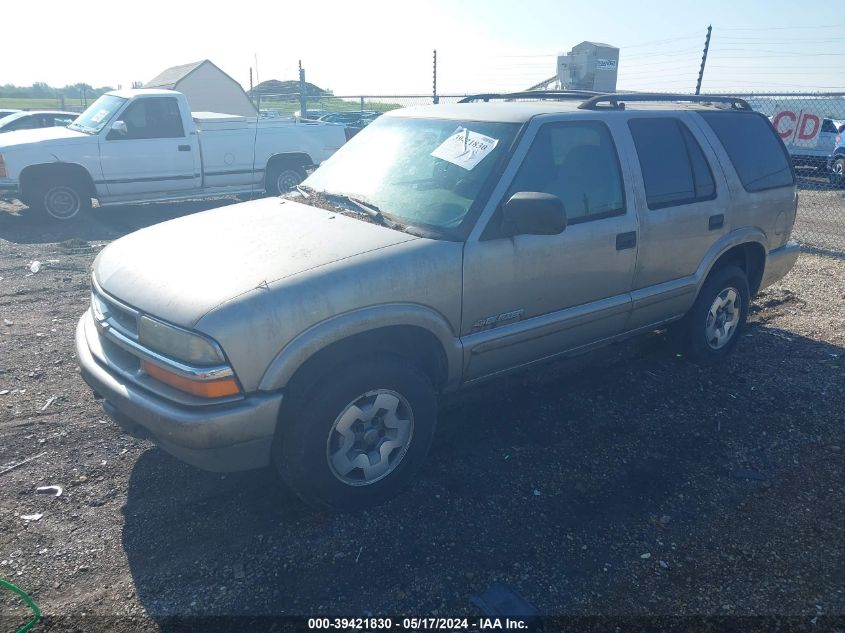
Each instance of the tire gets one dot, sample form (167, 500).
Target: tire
(283, 177)
(836, 175)
(62, 199)
(723, 297)
(320, 444)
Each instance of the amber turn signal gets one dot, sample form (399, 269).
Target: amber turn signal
(201, 388)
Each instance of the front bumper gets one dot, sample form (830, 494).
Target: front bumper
(9, 190)
(779, 262)
(222, 438)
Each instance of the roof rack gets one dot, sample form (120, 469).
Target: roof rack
(617, 101)
(534, 94)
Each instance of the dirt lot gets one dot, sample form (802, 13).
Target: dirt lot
(627, 482)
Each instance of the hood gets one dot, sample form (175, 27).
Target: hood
(181, 269)
(39, 135)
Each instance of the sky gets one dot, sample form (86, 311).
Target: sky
(385, 48)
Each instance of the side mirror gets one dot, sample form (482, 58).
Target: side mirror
(534, 213)
(118, 129)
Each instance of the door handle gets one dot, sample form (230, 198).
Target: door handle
(626, 240)
(184, 148)
(716, 222)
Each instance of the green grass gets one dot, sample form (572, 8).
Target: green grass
(285, 106)
(288, 106)
(40, 104)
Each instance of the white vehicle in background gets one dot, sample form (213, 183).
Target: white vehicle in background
(146, 145)
(36, 119)
(819, 152)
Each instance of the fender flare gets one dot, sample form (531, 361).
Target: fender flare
(57, 164)
(318, 337)
(731, 240)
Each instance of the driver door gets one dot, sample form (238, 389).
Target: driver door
(530, 297)
(155, 155)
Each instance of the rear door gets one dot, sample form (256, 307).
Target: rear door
(681, 203)
(155, 156)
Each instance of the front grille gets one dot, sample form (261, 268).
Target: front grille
(119, 316)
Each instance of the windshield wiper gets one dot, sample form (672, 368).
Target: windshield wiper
(367, 207)
(83, 128)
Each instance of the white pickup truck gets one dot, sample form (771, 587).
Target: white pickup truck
(146, 146)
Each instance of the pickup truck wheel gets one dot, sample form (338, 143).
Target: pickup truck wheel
(711, 327)
(837, 172)
(359, 436)
(282, 178)
(62, 200)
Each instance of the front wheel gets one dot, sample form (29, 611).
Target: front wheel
(837, 172)
(710, 330)
(283, 177)
(359, 435)
(62, 200)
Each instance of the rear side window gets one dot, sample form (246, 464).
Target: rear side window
(675, 170)
(756, 152)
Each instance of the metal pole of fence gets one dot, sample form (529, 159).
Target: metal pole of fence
(703, 60)
(303, 99)
(362, 103)
(434, 82)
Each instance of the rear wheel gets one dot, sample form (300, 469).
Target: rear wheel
(837, 172)
(710, 330)
(283, 177)
(359, 435)
(62, 200)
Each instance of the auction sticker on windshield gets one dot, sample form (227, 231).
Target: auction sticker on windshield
(465, 148)
(102, 114)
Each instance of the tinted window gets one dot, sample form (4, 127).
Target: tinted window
(674, 168)
(756, 152)
(577, 162)
(829, 126)
(153, 118)
(23, 123)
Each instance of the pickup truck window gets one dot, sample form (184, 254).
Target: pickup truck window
(155, 117)
(578, 163)
(675, 171)
(390, 165)
(98, 114)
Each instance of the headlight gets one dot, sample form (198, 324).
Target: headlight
(178, 343)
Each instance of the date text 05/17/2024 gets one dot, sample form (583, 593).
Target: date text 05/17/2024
(418, 624)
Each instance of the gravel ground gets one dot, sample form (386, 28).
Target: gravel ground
(626, 482)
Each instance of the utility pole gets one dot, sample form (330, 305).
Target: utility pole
(303, 100)
(703, 59)
(434, 82)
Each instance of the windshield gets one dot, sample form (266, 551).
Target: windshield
(98, 114)
(422, 172)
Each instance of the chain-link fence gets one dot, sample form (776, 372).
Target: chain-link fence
(813, 128)
(811, 124)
